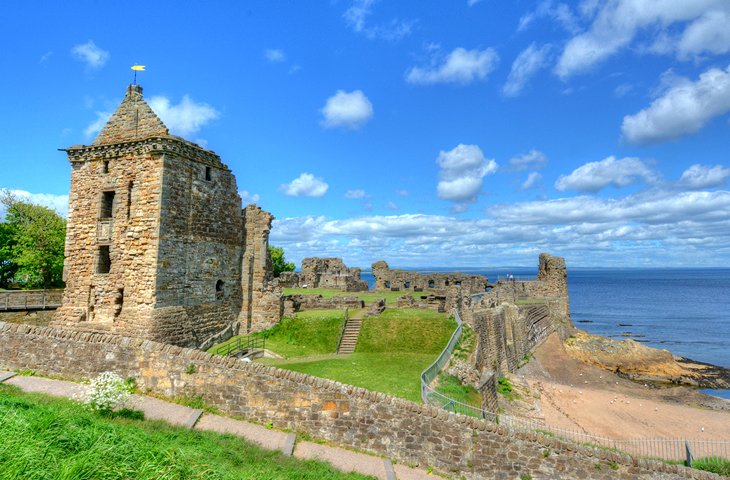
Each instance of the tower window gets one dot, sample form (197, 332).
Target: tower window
(431, 284)
(104, 263)
(105, 167)
(219, 289)
(208, 175)
(129, 200)
(107, 205)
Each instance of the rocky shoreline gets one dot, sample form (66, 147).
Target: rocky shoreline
(652, 366)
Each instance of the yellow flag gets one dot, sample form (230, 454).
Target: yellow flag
(138, 68)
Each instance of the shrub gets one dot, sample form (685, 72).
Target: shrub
(106, 392)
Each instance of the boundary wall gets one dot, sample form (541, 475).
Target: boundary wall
(349, 416)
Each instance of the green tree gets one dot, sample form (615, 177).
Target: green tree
(279, 262)
(33, 240)
(8, 267)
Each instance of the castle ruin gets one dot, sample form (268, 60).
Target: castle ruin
(157, 245)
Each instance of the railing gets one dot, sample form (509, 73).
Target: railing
(342, 331)
(658, 449)
(242, 346)
(30, 299)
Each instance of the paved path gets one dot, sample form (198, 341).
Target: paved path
(156, 409)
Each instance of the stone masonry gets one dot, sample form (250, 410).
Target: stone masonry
(387, 279)
(156, 242)
(325, 273)
(460, 446)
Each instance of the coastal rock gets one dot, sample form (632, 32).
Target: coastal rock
(635, 361)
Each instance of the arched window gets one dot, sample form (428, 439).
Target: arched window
(431, 284)
(219, 289)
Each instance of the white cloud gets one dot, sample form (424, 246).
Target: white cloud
(617, 23)
(305, 185)
(532, 160)
(402, 193)
(45, 56)
(709, 33)
(185, 118)
(247, 197)
(356, 16)
(527, 64)
(622, 90)
(532, 180)
(669, 228)
(594, 176)
(462, 174)
(684, 108)
(274, 55)
(355, 194)
(350, 110)
(560, 13)
(56, 202)
(96, 126)
(702, 176)
(391, 206)
(461, 66)
(93, 56)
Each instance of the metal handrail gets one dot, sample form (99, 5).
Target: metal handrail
(342, 330)
(246, 344)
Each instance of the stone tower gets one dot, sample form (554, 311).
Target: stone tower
(156, 237)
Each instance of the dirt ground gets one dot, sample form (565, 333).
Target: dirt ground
(571, 394)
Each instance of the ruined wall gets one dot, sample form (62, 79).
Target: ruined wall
(262, 305)
(407, 432)
(324, 273)
(295, 303)
(387, 279)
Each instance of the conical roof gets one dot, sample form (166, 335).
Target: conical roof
(133, 120)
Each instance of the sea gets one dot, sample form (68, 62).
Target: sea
(683, 310)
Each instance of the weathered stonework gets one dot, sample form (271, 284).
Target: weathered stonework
(350, 416)
(387, 279)
(156, 239)
(295, 303)
(324, 273)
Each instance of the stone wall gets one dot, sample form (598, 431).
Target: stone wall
(262, 304)
(324, 273)
(407, 432)
(387, 279)
(29, 317)
(295, 303)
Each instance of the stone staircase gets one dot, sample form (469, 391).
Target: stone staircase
(349, 336)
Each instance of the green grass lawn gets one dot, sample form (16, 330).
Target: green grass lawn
(453, 388)
(312, 332)
(368, 297)
(46, 438)
(392, 351)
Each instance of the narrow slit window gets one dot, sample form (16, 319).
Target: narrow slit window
(104, 264)
(105, 167)
(208, 174)
(129, 200)
(219, 289)
(107, 205)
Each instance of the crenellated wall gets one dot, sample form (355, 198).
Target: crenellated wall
(407, 432)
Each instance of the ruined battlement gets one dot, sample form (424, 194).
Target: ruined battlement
(325, 273)
(387, 279)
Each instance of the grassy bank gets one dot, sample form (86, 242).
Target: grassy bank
(313, 332)
(42, 437)
(392, 351)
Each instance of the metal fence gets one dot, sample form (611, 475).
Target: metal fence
(30, 299)
(660, 449)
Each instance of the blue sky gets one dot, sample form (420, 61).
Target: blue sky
(426, 133)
